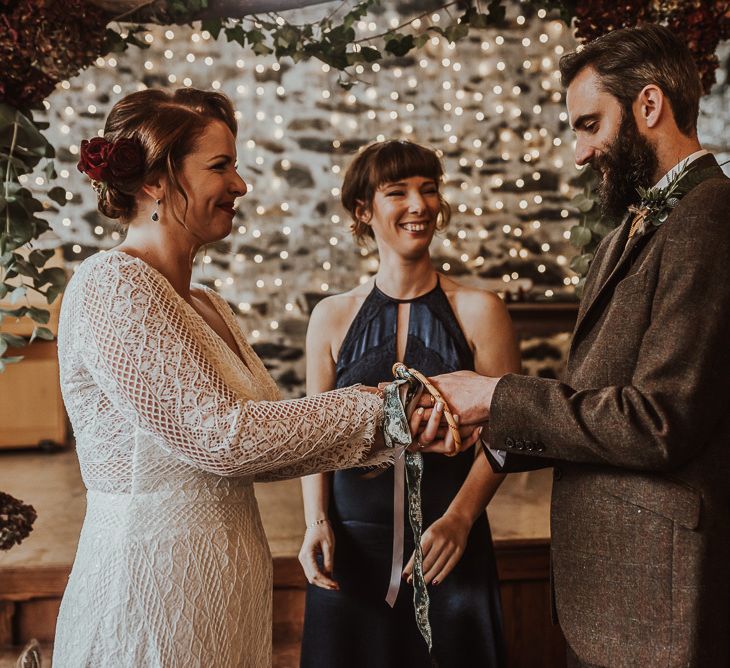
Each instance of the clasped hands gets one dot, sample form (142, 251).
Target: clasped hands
(468, 395)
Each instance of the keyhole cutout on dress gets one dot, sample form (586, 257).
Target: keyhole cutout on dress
(401, 331)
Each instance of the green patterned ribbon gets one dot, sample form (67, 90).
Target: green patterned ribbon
(400, 396)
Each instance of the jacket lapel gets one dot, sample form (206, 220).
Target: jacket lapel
(610, 259)
(622, 249)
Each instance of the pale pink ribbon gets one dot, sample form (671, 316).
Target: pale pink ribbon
(399, 488)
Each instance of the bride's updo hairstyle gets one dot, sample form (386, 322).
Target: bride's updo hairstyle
(388, 162)
(147, 136)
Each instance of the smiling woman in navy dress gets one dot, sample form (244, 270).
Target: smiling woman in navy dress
(408, 312)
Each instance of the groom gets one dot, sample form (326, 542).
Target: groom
(639, 430)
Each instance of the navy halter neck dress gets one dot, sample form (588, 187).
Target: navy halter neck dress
(355, 627)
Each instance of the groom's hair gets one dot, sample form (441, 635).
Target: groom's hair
(629, 59)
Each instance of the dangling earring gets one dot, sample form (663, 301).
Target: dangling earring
(155, 214)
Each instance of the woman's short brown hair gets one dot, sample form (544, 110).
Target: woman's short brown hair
(168, 126)
(386, 162)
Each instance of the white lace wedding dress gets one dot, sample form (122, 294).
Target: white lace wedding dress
(172, 429)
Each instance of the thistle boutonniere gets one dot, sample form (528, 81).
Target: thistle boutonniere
(657, 203)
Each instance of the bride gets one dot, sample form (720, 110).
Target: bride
(174, 415)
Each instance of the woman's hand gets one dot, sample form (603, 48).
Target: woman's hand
(431, 433)
(443, 544)
(319, 539)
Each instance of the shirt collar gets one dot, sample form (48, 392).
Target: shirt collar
(664, 181)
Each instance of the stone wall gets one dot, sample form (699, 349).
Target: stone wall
(492, 105)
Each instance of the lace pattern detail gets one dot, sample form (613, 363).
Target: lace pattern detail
(172, 428)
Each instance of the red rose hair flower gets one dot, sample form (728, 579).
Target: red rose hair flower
(109, 162)
(93, 158)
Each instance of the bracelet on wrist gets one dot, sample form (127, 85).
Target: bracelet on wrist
(316, 523)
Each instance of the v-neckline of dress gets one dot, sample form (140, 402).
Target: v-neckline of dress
(241, 343)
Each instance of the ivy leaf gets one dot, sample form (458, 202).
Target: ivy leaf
(496, 13)
(475, 18)
(115, 42)
(369, 54)
(357, 12)
(400, 45)
(260, 49)
(456, 31)
(42, 333)
(236, 34)
(58, 195)
(580, 236)
(421, 40)
(254, 37)
(213, 26)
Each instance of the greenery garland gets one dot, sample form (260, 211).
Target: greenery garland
(43, 42)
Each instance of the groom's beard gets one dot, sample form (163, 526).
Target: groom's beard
(629, 161)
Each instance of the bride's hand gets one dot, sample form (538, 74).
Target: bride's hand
(431, 434)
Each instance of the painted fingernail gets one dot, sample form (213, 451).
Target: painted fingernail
(457, 419)
(435, 582)
(479, 431)
(439, 406)
(421, 410)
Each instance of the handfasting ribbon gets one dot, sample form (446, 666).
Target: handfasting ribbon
(400, 370)
(396, 433)
(398, 407)
(401, 399)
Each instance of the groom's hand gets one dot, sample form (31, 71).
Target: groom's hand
(468, 394)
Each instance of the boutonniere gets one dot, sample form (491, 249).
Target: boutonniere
(657, 203)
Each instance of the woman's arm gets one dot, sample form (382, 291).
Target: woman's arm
(153, 368)
(319, 538)
(487, 326)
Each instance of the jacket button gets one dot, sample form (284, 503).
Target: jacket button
(509, 442)
(557, 473)
(520, 444)
(540, 446)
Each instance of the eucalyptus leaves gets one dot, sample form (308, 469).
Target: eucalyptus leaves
(592, 228)
(22, 148)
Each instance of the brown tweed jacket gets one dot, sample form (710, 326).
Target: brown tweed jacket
(639, 435)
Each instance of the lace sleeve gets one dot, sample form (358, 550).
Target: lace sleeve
(137, 346)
